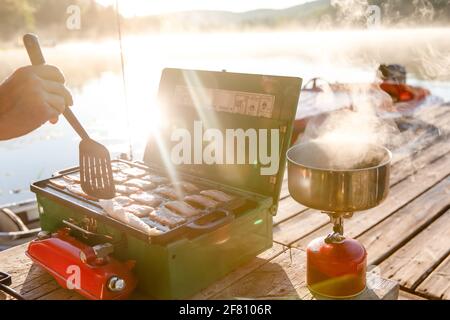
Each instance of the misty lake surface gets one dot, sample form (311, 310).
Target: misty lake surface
(93, 73)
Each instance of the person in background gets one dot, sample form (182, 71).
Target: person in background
(29, 97)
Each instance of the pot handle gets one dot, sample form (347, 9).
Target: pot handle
(212, 221)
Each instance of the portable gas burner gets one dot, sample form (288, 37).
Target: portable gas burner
(183, 254)
(336, 265)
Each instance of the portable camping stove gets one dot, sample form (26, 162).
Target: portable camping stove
(336, 265)
(181, 260)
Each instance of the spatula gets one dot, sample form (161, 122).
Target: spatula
(96, 175)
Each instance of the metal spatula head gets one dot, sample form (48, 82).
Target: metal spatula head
(96, 175)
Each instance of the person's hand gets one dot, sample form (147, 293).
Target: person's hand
(30, 97)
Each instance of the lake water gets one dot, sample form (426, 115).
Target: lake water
(93, 73)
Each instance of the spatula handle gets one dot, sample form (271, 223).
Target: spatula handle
(76, 125)
(31, 43)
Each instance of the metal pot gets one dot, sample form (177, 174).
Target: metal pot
(317, 185)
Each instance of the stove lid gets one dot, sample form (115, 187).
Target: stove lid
(231, 128)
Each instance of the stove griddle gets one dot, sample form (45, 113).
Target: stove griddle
(206, 221)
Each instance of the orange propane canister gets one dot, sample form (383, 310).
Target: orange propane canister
(76, 265)
(336, 269)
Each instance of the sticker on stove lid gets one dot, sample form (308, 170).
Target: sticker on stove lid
(247, 103)
(223, 100)
(266, 106)
(252, 106)
(240, 103)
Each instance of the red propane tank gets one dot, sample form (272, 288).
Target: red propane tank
(337, 269)
(76, 266)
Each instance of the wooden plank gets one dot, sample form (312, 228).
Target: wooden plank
(440, 118)
(299, 226)
(397, 229)
(414, 142)
(411, 264)
(399, 195)
(19, 266)
(239, 273)
(36, 287)
(433, 113)
(61, 294)
(418, 160)
(42, 290)
(287, 208)
(437, 284)
(403, 295)
(284, 278)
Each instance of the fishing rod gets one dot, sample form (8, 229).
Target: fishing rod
(124, 82)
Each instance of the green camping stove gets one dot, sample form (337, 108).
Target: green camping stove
(247, 112)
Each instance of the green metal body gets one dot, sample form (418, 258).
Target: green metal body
(181, 268)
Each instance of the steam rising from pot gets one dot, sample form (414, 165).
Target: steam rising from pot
(339, 155)
(345, 139)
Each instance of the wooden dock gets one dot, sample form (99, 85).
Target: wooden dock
(407, 237)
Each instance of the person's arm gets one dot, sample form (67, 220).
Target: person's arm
(30, 97)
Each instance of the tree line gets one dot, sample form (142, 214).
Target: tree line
(51, 16)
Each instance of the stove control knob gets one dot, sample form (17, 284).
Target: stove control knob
(116, 284)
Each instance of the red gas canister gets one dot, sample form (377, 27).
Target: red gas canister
(78, 266)
(336, 269)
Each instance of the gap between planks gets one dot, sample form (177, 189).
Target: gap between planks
(396, 230)
(437, 284)
(412, 263)
(405, 295)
